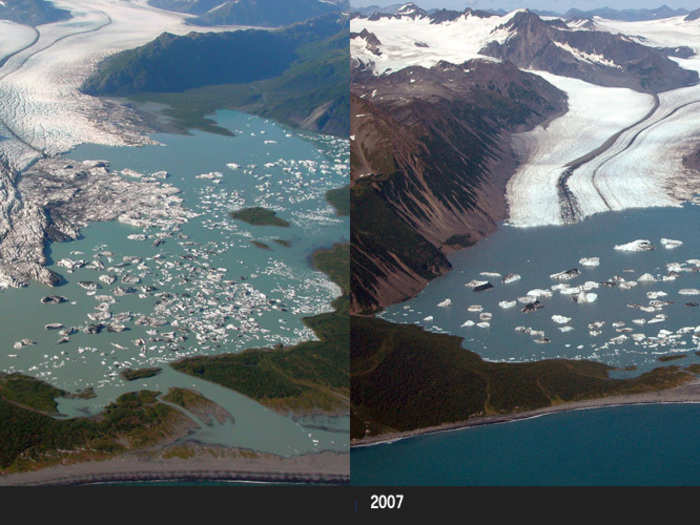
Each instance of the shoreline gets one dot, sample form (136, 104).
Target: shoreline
(688, 393)
(330, 468)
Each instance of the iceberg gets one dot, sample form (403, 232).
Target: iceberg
(590, 262)
(560, 319)
(670, 244)
(639, 245)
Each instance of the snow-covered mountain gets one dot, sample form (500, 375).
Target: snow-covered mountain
(578, 49)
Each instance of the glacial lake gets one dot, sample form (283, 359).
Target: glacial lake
(224, 292)
(628, 337)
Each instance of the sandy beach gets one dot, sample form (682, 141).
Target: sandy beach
(207, 464)
(686, 393)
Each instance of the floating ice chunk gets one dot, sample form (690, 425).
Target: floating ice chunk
(560, 319)
(659, 318)
(131, 173)
(596, 325)
(528, 299)
(565, 329)
(626, 285)
(467, 324)
(507, 304)
(570, 290)
(619, 339)
(136, 237)
(475, 283)
(511, 278)
(689, 291)
(640, 322)
(539, 293)
(639, 245)
(490, 274)
(586, 297)
(161, 174)
(483, 324)
(542, 340)
(233, 166)
(566, 275)
(646, 278)
(428, 319)
(675, 267)
(486, 316)
(670, 244)
(590, 285)
(589, 261)
(656, 295)
(475, 308)
(445, 303)
(212, 175)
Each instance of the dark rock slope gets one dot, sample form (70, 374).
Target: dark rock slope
(430, 158)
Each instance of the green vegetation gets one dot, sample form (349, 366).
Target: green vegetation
(32, 12)
(671, 357)
(309, 376)
(339, 198)
(259, 217)
(196, 403)
(30, 439)
(298, 76)
(130, 374)
(405, 378)
(266, 13)
(31, 393)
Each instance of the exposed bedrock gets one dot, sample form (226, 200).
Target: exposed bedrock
(430, 159)
(598, 57)
(55, 198)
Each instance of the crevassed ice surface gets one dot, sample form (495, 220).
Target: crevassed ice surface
(455, 41)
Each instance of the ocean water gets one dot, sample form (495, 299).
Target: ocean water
(208, 281)
(536, 253)
(629, 445)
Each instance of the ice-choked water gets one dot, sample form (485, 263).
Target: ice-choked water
(635, 306)
(198, 288)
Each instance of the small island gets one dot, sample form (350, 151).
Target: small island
(142, 373)
(259, 217)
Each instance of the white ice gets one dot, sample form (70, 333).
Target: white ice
(42, 110)
(454, 41)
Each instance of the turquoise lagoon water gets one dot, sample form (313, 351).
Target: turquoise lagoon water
(631, 445)
(208, 281)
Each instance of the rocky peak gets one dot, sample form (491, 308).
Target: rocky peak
(594, 56)
(412, 10)
(371, 39)
(693, 15)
